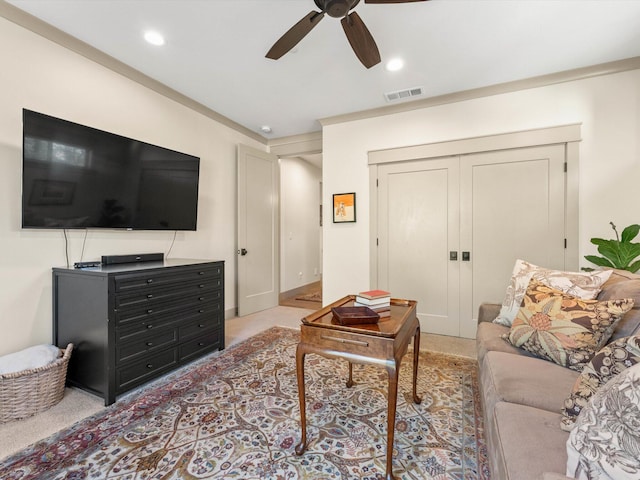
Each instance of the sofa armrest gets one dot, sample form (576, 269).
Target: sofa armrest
(488, 312)
(555, 476)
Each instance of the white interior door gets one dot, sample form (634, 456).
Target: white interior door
(512, 206)
(258, 227)
(418, 226)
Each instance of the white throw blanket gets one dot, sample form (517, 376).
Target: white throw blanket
(32, 357)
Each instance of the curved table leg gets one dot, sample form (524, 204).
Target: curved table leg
(350, 380)
(300, 354)
(392, 369)
(416, 358)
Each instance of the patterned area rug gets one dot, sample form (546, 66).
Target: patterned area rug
(235, 415)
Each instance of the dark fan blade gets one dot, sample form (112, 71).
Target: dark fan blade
(296, 33)
(361, 40)
(392, 1)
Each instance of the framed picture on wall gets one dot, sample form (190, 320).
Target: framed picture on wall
(344, 207)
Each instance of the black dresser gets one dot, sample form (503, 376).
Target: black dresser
(133, 322)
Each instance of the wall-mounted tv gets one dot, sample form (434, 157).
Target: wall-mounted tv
(76, 176)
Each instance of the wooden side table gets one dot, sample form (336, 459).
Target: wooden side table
(384, 344)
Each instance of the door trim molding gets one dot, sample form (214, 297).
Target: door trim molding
(487, 143)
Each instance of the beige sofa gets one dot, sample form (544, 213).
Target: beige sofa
(523, 395)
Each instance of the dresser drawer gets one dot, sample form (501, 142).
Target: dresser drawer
(144, 315)
(157, 278)
(146, 343)
(206, 289)
(139, 372)
(197, 346)
(200, 326)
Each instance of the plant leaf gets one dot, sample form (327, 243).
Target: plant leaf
(600, 261)
(599, 241)
(630, 233)
(628, 252)
(634, 267)
(618, 253)
(611, 251)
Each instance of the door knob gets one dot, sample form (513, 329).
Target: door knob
(243, 251)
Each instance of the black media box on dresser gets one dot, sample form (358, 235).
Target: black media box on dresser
(132, 322)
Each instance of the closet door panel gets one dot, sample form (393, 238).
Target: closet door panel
(418, 227)
(512, 206)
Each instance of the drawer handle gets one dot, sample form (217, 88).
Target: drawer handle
(201, 285)
(344, 340)
(149, 327)
(149, 365)
(200, 311)
(150, 311)
(149, 344)
(201, 325)
(201, 344)
(201, 299)
(200, 273)
(150, 296)
(150, 280)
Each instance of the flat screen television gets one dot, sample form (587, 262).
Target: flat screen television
(75, 176)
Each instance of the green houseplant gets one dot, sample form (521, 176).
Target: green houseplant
(619, 253)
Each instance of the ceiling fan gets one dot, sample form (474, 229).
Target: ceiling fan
(356, 31)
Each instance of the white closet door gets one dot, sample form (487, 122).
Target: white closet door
(418, 225)
(512, 206)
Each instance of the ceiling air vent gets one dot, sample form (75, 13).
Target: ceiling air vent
(403, 94)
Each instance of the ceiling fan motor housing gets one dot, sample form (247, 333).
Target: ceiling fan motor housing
(336, 8)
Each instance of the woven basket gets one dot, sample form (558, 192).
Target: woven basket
(25, 393)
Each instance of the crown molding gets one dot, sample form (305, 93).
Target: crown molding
(306, 143)
(39, 27)
(609, 68)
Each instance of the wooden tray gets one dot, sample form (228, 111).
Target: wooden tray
(354, 315)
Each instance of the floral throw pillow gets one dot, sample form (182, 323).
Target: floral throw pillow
(561, 328)
(611, 360)
(585, 285)
(605, 443)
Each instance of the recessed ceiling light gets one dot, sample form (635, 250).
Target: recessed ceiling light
(394, 65)
(154, 38)
(265, 129)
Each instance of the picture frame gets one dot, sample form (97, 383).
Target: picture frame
(344, 207)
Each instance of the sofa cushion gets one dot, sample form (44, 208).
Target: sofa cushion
(525, 381)
(605, 443)
(584, 285)
(529, 442)
(611, 360)
(489, 339)
(624, 284)
(562, 328)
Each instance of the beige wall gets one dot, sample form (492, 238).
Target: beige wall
(607, 107)
(43, 76)
(300, 256)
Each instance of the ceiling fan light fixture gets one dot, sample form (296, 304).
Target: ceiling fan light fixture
(394, 65)
(154, 38)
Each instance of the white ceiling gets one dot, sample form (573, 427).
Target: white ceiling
(215, 49)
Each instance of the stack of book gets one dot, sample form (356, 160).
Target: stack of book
(377, 300)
